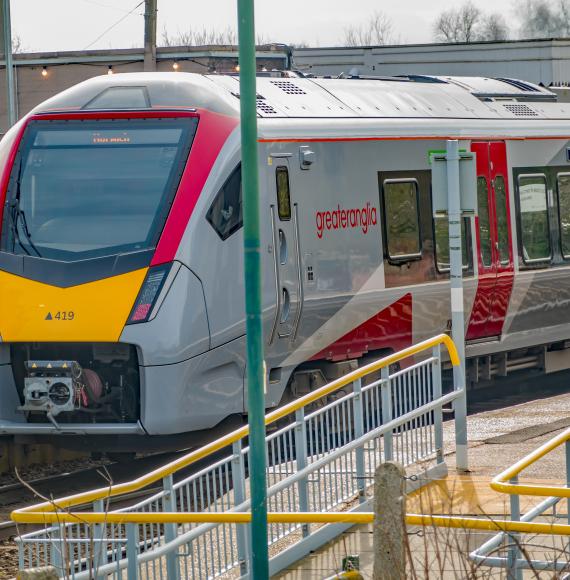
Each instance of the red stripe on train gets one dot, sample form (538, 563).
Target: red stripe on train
(211, 135)
(389, 329)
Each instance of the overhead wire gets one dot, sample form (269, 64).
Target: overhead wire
(100, 4)
(113, 25)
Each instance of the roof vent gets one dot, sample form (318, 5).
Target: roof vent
(521, 110)
(288, 87)
(264, 107)
(518, 84)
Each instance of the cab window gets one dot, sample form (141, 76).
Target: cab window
(225, 213)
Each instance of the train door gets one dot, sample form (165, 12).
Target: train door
(494, 247)
(286, 253)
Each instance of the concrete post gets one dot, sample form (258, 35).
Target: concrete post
(47, 573)
(389, 522)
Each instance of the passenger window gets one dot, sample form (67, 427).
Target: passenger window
(535, 233)
(484, 228)
(225, 214)
(564, 212)
(283, 193)
(402, 219)
(441, 226)
(502, 220)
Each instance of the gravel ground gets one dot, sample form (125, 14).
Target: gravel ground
(39, 471)
(8, 559)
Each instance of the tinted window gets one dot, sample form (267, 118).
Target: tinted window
(401, 219)
(94, 188)
(483, 213)
(564, 205)
(283, 193)
(535, 234)
(441, 226)
(225, 214)
(502, 220)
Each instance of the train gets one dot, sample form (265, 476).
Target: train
(121, 246)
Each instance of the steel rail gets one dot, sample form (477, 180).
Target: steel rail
(30, 514)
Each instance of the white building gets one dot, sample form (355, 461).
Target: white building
(545, 62)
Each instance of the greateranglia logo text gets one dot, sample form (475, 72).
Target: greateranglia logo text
(342, 219)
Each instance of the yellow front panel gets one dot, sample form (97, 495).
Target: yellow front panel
(95, 312)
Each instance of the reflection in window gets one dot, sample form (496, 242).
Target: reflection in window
(441, 226)
(534, 218)
(283, 194)
(484, 228)
(502, 220)
(225, 214)
(402, 219)
(564, 205)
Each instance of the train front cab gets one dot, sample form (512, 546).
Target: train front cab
(88, 244)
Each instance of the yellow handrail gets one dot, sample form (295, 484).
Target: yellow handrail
(501, 483)
(463, 522)
(43, 512)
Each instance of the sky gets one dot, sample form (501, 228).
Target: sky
(77, 24)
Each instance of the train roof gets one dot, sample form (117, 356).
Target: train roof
(295, 97)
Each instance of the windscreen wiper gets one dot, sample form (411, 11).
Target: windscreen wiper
(18, 216)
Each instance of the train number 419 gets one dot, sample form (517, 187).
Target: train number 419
(61, 315)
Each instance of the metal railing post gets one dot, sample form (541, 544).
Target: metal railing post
(457, 309)
(132, 552)
(57, 548)
(170, 530)
(567, 450)
(238, 482)
(438, 413)
(99, 555)
(11, 93)
(513, 571)
(255, 376)
(386, 398)
(301, 459)
(357, 408)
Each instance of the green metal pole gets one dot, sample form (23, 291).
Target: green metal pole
(259, 565)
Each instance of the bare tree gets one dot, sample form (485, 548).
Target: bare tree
(200, 37)
(543, 18)
(17, 44)
(493, 27)
(458, 24)
(377, 30)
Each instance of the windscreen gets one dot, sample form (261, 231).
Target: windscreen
(85, 189)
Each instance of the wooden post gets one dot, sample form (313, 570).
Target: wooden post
(150, 35)
(389, 522)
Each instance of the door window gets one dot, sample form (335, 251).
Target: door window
(283, 193)
(564, 212)
(402, 219)
(534, 218)
(484, 225)
(502, 219)
(441, 226)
